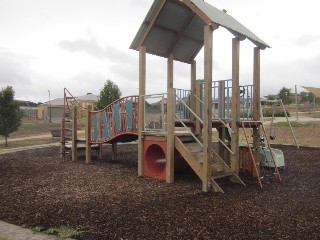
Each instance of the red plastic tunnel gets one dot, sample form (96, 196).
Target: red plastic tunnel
(155, 159)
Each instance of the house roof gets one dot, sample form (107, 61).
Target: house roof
(55, 102)
(88, 97)
(176, 27)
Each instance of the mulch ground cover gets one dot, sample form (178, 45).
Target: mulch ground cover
(107, 200)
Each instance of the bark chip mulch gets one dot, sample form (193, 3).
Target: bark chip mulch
(107, 200)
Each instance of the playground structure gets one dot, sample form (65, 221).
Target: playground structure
(177, 30)
(179, 124)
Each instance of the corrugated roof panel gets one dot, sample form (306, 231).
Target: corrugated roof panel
(226, 21)
(195, 28)
(158, 41)
(186, 49)
(152, 10)
(145, 23)
(173, 16)
(139, 35)
(171, 21)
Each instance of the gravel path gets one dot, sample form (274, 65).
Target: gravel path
(13, 232)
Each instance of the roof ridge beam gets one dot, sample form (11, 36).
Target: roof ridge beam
(203, 16)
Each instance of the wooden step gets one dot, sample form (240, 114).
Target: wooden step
(194, 147)
(186, 138)
(216, 175)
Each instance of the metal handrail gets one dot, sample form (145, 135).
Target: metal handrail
(189, 131)
(224, 124)
(193, 113)
(202, 123)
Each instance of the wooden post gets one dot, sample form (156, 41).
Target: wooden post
(114, 151)
(193, 89)
(142, 92)
(207, 118)
(88, 134)
(170, 122)
(235, 107)
(74, 143)
(256, 105)
(100, 151)
(63, 139)
(198, 131)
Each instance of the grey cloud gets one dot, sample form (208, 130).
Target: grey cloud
(13, 68)
(275, 75)
(305, 40)
(92, 48)
(15, 71)
(88, 46)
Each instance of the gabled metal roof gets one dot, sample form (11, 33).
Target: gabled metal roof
(176, 26)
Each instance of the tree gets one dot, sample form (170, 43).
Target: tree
(286, 96)
(10, 113)
(269, 97)
(109, 93)
(307, 97)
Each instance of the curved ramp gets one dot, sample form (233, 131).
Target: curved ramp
(118, 122)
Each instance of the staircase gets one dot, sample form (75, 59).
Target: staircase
(192, 152)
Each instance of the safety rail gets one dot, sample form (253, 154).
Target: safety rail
(221, 94)
(222, 97)
(180, 109)
(246, 93)
(216, 116)
(118, 118)
(154, 112)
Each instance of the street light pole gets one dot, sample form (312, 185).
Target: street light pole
(49, 107)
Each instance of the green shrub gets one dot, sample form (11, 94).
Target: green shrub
(277, 113)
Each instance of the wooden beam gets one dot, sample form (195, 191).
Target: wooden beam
(153, 20)
(142, 92)
(235, 107)
(88, 134)
(256, 104)
(74, 141)
(170, 122)
(207, 118)
(240, 36)
(256, 84)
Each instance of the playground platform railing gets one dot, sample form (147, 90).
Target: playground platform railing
(222, 97)
(154, 112)
(118, 118)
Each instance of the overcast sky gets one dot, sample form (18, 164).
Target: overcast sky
(79, 44)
